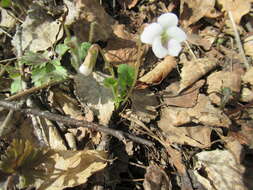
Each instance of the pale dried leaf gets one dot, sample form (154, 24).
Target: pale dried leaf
(193, 10)
(71, 140)
(194, 70)
(144, 105)
(248, 77)
(246, 95)
(6, 19)
(129, 3)
(223, 79)
(204, 112)
(196, 136)
(238, 8)
(222, 170)
(39, 31)
(92, 92)
(156, 179)
(248, 46)
(185, 99)
(73, 168)
(82, 13)
(161, 71)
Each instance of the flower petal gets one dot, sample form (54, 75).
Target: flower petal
(151, 32)
(158, 48)
(176, 33)
(168, 20)
(86, 71)
(174, 47)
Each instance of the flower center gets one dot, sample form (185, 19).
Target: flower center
(164, 38)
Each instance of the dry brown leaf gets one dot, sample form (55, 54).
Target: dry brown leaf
(202, 113)
(186, 99)
(238, 8)
(193, 10)
(81, 13)
(221, 170)
(248, 77)
(194, 70)
(156, 179)
(196, 136)
(144, 105)
(128, 3)
(248, 46)
(222, 79)
(39, 31)
(122, 48)
(161, 71)
(246, 95)
(73, 168)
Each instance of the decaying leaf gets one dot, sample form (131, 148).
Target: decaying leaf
(186, 99)
(156, 179)
(202, 113)
(144, 105)
(73, 168)
(92, 92)
(128, 3)
(248, 46)
(162, 69)
(248, 77)
(193, 10)
(238, 8)
(221, 170)
(122, 48)
(82, 13)
(194, 70)
(196, 136)
(220, 80)
(246, 95)
(6, 20)
(39, 31)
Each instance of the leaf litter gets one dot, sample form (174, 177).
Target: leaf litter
(195, 108)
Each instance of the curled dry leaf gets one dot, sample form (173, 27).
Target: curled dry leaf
(162, 69)
(238, 8)
(156, 179)
(128, 3)
(84, 12)
(193, 10)
(221, 169)
(122, 48)
(73, 168)
(194, 70)
(186, 99)
(223, 79)
(39, 31)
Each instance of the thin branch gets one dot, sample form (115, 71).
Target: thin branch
(74, 122)
(238, 41)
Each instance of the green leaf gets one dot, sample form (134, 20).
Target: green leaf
(126, 75)
(83, 49)
(5, 3)
(16, 85)
(34, 59)
(110, 82)
(61, 49)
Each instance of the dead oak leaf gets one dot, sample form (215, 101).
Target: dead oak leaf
(194, 70)
(238, 8)
(186, 99)
(122, 48)
(193, 10)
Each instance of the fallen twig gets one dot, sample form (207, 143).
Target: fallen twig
(74, 122)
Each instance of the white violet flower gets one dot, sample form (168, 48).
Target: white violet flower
(85, 70)
(164, 36)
